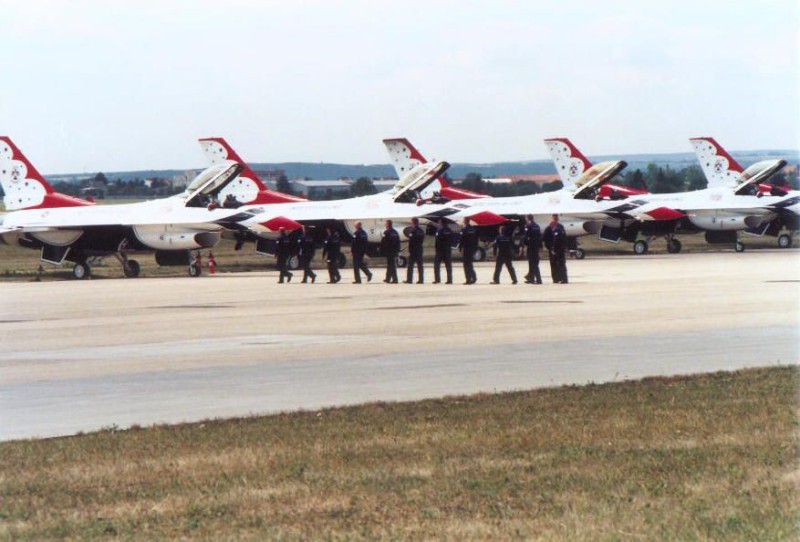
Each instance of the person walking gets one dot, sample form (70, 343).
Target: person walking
(444, 252)
(390, 248)
(555, 239)
(306, 249)
(359, 250)
(331, 251)
(533, 242)
(416, 237)
(283, 252)
(504, 251)
(468, 244)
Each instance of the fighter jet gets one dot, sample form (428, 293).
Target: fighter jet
(64, 228)
(415, 188)
(736, 200)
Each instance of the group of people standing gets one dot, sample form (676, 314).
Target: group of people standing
(554, 239)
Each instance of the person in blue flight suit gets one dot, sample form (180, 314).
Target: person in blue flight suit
(359, 250)
(416, 236)
(444, 252)
(504, 251)
(330, 251)
(468, 244)
(390, 248)
(283, 253)
(555, 239)
(306, 249)
(533, 242)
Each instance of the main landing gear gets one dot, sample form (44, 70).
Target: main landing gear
(130, 268)
(81, 270)
(784, 240)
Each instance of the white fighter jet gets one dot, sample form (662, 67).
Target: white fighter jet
(400, 204)
(736, 200)
(64, 228)
(586, 202)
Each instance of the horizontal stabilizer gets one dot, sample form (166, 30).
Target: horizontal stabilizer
(275, 224)
(487, 218)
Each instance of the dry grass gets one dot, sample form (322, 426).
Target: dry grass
(703, 457)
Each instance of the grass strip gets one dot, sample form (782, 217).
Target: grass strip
(701, 457)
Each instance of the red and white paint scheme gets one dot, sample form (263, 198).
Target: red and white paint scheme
(719, 167)
(735, 201)
(581, 177)
(569, 161)
(400, 204)
(77, 232)
(24, 186)
(247, 188)
(405, 157)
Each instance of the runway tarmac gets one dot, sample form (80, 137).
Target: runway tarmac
(80, 356)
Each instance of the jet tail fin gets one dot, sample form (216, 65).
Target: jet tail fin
(405, 157)
(24, 186)
(403, 154)
(247, 188)
(569, 161)
(719, 167)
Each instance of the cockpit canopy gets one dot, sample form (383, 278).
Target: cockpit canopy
(209, 182)
(415, 181)
(758, 173)
(596, 176)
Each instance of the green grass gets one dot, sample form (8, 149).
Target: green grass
(689, 458)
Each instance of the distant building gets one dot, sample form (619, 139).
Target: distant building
(318, 189)
(269, 175)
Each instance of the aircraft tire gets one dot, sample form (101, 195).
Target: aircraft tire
(81, 270)
(479, 255)
(294, 262)
(784, 240)
(739, 246)
(674, 246)
(401, 261)
(132, 269)
(193, 270)
(580, 254)
(342, 261)
(640, 247)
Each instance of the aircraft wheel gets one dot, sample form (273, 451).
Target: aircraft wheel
(673, 246)
(81, 270)
(342, 261)
(784, 240)
(580, 254)
(479, 255)
(294, 262)
(640, 247)
(193, 270)
(739, 246)
(131, 269)
(401, 261)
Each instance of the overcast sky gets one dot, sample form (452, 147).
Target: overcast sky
(107, 86)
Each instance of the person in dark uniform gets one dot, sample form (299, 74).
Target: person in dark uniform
(555, 239)
(390, 248)
(416, 236)
(359, 250)
(283, 253)
(444, 252)
(306, 249)
(504, 251)
(533, 242)
(468, 244)
(331, 251)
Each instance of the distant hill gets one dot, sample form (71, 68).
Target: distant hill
(327, 171)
